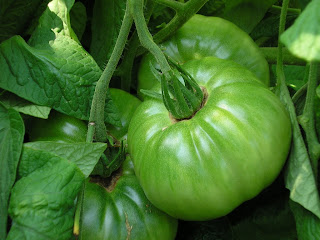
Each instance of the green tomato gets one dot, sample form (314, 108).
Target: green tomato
(63, 128)
(58, 127)
(126, 105)
(205, 36)
(122, 211)
(203, 167)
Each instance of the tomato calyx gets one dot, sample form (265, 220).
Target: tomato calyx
(203, 103)
(182, 98)
(110, 160)
(107, 183)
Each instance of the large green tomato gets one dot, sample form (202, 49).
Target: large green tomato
(122, 211)
(232, 148)
(205, 36)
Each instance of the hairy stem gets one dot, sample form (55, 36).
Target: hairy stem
(125, 68)
(145, 36)
(307, 119)
(98, 103)
(184, 14)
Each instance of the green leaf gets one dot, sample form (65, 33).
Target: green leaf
(21, 105)
(54, 22)
(303, 37)
(42, 203)
(246, 14)
(84, 155)
(15, 16)
(308, 225)
(78, 18)
(56, 71)
(11, 139)
(106, 23)
(299, 178)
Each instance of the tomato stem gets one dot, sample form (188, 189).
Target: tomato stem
(186, 98)
(307, 119)
(184, 11)
(298, 153)
(145, 36)
(99, 97)
(125, 68)
(183, 14)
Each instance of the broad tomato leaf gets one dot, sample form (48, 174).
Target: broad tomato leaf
(303, 37)
(42, 203)
(11, 138)
(11, 100)
(84, 155)
(55, 69)
(106, 23)
(308, 225)
(299, 175)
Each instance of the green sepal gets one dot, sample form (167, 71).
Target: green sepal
(182, 99)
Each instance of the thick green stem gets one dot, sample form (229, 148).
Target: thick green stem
(271, 55)
(280, 74)
(184, 11)
(145, 36)
(285, 97)
(181, 105)
(98, 103)
(125, 68)
(307, 119)
(183, 14)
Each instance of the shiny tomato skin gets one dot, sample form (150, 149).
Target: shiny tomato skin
(122, 211)
(228, 152)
